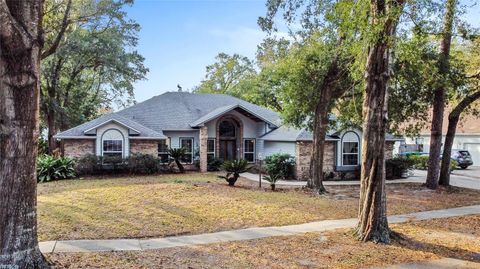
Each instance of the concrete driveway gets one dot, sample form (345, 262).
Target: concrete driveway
(469, 178)
(471, 171)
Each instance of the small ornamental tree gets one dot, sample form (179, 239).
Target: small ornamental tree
(272, 179)
(234, 169)
(177, 155)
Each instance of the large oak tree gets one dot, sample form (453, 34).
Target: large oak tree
(321, 64)
(21, 43)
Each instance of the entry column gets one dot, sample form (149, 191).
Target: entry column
(203, 136)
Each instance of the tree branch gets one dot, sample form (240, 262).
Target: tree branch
(464, 104)
(58, 38)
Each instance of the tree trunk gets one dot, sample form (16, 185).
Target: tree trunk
(319, 133)
(453, 119)
(372, 217)
(52, 106)
(439, 99)
(20, 45)
(447, 151)
(330, 89)
(180, 166)
(373, 224)
(51, 126)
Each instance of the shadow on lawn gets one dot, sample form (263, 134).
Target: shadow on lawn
(448, 252)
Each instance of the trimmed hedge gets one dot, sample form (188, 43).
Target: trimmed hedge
(421, 162)
(144, 164)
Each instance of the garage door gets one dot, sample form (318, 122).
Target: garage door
(474, 149)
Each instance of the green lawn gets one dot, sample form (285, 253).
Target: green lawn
(155, 206)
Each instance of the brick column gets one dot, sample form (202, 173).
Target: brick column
(203, 149)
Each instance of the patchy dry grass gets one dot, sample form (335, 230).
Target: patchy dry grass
(422, 240)
(156, 206)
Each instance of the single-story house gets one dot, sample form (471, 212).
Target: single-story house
(467, 137)
(208, 126)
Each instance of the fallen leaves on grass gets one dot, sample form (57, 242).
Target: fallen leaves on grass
(335, 249)
(192, 203)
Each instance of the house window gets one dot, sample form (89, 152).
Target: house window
(226, 129)
(210, 149)
(187, 144)
(163, 151)
(112, 144)
(249, 150)
(350, 149)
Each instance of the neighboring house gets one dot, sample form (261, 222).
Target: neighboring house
(467, 137)
(208, 126)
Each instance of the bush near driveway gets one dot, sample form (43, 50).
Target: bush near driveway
(280, 166)
(398, 166)
(421, 162)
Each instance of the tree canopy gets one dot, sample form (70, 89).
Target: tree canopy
(93, 65)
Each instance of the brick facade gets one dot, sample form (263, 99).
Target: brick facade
(303, 156)
(389, 149)
(203, 136)
(77, 148)
(144, 146)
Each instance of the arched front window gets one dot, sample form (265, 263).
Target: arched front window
(350, 149)
(112, 144)
(226, 129)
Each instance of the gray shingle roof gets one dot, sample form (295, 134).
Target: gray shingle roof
(177, 110)
(308, 136)
(135, 127)
(283, 133)
(173, 111)
(286, 133)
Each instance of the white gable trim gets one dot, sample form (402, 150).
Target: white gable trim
(109, 121)
(202, 120)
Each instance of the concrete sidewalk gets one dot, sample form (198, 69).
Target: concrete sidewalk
(237, 235)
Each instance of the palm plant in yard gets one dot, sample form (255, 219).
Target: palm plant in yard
(177, 155)
(234, 169)
(272, 179)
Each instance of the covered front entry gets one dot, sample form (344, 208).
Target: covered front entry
(229, 138)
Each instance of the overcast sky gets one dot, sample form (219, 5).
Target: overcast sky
(180, 37)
